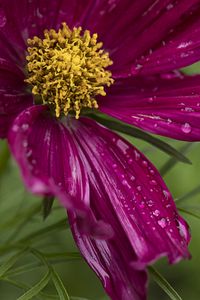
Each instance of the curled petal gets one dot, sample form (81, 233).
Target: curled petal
(50, 165)
(110, 260)
(48, 157)
(139, 200)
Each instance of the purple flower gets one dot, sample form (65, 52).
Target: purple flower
(121, 213)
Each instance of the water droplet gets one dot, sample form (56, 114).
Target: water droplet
(124, 182)
(139, 188)
(25, 127)
(130, 161)
(187, 109)
(137, 155)
(186, 128)
(156, 213)
(162, 223)
(145, 163)
(150, 100)
(142, 204)
(132, 178)
(183, 230)
(138, 67)
(150, 203)
(29, 153)
(166, 194)
(15, 128)
(153, 182)
(25, 144)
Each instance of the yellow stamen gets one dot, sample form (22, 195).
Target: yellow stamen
(67, 69)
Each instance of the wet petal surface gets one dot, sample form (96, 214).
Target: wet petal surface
(163, 105)
(140, 200)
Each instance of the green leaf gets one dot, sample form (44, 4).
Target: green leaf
(139, 134)
(53, 258)
(25, 287)
(63, 295)
(188, 212)
(10, 262)
(67, 255)
(23, 221)
(21, 217)
(4, 156)
(36, 289)
(47, 206)
(78, 298)
(172, 161)
(62, 224)
(164, 284)
(190, 194)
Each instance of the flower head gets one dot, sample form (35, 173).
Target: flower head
(121, 213)
(67, 69)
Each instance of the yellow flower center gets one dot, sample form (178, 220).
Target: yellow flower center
(67, 69)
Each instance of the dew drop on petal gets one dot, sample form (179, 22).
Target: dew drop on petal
(153, 182)
(130, 161)
(29, 153)
(166, 194)
(150, 203)
(145, 163)
(162, 222)
(15, 128)
(156, 213)
(150, 100)
(183, 230)
(186, 128)
(25, 144)
(124, 182)
(137, 155)
(25, 127)
(152, 172)
(132, 178)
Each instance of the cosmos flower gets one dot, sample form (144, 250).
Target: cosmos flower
(53, 70)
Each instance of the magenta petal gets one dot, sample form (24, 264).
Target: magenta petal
(50, 165)
(48, 158)
(110, 260)
(11, 104)
(163, 36)
(165, 106)
(13, 97)
(139, 199)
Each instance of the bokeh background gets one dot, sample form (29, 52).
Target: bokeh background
(21, 221)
